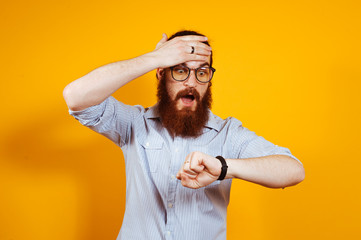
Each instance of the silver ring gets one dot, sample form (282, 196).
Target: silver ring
(192, 50)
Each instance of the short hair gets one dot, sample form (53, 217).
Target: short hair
(189, 32)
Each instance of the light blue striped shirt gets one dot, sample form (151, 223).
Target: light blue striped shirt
(157, 205)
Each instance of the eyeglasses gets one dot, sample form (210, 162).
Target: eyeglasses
(181, 73)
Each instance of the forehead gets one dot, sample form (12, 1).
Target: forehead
(196, 64)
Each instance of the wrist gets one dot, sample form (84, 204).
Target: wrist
(154, 59)
(230, 170)
(150, 60)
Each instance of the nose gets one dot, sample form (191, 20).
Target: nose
(192, 80)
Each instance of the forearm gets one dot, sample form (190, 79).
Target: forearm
(102, 82)
(275, 171)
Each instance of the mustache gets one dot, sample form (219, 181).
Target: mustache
(186, 92)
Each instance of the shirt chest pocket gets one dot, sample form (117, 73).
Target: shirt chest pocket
(154, 154)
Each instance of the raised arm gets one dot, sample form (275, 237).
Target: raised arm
(96, 86)
(274, 171)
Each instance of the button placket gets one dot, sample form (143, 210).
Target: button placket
(172, 185)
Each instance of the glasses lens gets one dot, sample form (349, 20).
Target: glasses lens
(180, 73)
(204, 74)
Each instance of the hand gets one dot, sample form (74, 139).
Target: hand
(178, 50)
(199, 170)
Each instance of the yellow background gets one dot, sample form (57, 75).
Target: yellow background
(289, 70)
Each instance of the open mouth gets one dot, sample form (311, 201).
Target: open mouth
(188, 99)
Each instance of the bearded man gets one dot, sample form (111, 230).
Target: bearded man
(180, 158)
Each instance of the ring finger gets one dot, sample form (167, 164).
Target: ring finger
(199, 48)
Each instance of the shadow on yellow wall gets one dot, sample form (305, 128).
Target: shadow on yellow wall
(58, 185)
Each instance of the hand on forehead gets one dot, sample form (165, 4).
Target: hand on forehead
(183, 49)
(200, 47)
(196, 42)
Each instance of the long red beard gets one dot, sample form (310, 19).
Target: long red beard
(185, 122)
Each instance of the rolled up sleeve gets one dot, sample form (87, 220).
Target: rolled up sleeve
(247, 144)
(111, 118)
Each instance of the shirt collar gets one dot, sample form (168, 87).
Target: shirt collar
(213, 121)
(152, 112)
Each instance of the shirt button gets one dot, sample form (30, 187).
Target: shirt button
(168, 233)
(172, 177)
(147, 144)
(170, 205)
(176, 150)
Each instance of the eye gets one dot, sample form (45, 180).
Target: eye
(180, 70)
(203, 71)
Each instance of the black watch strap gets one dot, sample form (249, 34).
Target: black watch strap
(223, 169)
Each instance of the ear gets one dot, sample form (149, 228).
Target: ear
(160, 73)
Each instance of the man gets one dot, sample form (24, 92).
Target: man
(178, 138)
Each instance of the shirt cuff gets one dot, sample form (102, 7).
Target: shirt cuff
(91, 115)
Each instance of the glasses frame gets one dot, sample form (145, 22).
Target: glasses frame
(195, 73)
